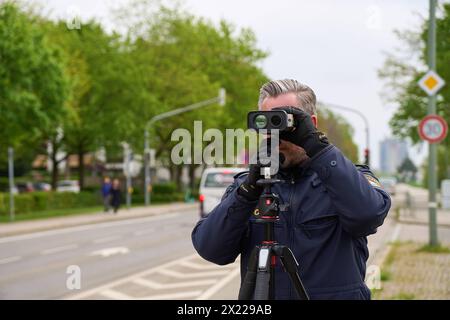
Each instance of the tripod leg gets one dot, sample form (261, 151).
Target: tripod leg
(262, 287)
(290, 265)
(248, 285)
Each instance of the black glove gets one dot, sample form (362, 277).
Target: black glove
(248, 189)
(305, 134)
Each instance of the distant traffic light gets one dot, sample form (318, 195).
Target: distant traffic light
(366, 156)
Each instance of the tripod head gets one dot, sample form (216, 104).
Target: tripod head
(268, 207)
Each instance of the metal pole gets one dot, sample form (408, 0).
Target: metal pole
(128, 175)
(220, 99)
(362, 116)
(147, 168)
(11, 182)
(432, 174)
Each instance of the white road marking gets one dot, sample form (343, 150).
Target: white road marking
(110, 251)
(107, 239)
(185, 284)
(41, 234)
(396, 233)
(116, 295)
(198, 266)
(144, 273)
(170, 296)
(219, 285)
(10, 259)
(142, 278)
(59, 249)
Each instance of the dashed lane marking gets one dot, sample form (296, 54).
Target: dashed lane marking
(107, 239)
(10, 259)
(59, 249)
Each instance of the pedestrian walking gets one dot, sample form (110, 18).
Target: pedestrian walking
(115, 195)
(106, 193)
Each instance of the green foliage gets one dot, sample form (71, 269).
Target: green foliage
(339, 132)
(401, 76)
(385, 275)
(164, 188)
(434, 249)
(39, 201)
(101, 88)
(403, 296)
(47, 201)
(33, 85)
(185, 59)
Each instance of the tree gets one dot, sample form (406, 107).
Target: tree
(107, 95)
(33, 84)
(402, 71)
(407, 170)
(339, 132)
(187, 59)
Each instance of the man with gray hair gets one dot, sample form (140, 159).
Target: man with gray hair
(332, 206)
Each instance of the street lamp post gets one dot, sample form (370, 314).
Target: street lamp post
(11, 182)
(366, 124)
(220, 99)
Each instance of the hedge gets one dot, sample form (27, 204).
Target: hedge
(40, 201)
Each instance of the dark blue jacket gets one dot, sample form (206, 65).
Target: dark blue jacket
(333, 206)
(106, 189)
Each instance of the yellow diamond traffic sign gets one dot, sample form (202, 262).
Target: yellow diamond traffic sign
(431, 83)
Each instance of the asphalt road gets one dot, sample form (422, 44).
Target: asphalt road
(141, 258)
(34, 266)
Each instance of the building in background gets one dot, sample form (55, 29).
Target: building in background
(392, 153)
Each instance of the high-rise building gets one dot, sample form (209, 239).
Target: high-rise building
(392, 153)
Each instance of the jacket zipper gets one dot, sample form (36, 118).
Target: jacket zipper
(291, 222)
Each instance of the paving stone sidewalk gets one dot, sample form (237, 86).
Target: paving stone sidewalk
(410, 273)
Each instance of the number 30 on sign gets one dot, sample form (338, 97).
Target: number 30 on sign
(433, 128)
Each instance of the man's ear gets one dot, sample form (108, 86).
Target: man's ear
(314, 120)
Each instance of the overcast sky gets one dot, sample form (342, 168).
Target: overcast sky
(335, 47)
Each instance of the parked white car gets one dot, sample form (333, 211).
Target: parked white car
(68, 186)
(213, 184)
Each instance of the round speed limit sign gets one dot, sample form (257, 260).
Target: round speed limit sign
(433, 128)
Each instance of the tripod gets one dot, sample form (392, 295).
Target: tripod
(259, 281)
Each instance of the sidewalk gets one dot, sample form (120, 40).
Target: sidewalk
(407, 271)
(15, 228)
(420, 216)
(411, 273)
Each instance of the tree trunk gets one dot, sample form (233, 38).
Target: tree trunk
(192, 168)
(81, 167)
(178, 174)
(55, 172)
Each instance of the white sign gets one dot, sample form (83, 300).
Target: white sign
(431, 83)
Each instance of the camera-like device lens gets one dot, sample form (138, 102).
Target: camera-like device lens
(269, 120)
(260, 121)
(275, 120)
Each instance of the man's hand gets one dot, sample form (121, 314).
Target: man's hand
(248, 189)
(305, 134)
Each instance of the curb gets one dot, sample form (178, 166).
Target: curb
(422, 223)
